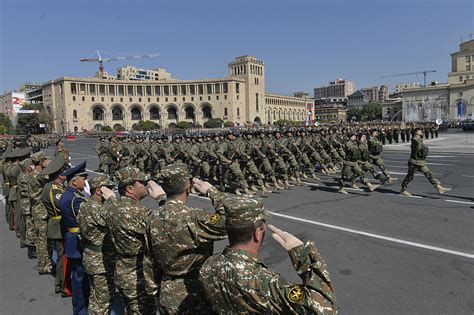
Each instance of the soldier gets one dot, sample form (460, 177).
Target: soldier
(375, 149)
(364, 163)
(39, 213)
(50, 196)
(70, 203)
(101, 150)
(6, 185)
(417, 163)
(181, 238)
(238, 282)
(126, 222)
(60, 150)
(24, 204)
(98, 256)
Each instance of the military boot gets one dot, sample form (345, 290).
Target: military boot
(254, 188)
(354, 185)
(372, 187)
(265, 190)
(342, 191)
(247, 191)
(441, 189)
(299, 182)
(315, 177)
(288, 185)
(405, 192)
(392, 179)
(237, 192)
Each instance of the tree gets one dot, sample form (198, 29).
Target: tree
(229, 124)
(145, 125)
(184, 125)
(213, 123)
(6, 123)
(29, 123)
(354, 112)
(372, 111)
(106, 128)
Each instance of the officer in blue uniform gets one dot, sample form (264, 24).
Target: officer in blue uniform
(70, 203)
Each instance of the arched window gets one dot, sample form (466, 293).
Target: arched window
(206, 111)
(136, 113)
(117, 113)
(189, 112)
(172, 113)
(154, 113)
(238, 111)
(74, 114)
(97, 113)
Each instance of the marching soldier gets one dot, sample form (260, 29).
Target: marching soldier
(375, 149)
(238, 282)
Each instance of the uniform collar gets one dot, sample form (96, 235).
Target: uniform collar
(174, 201)
(129, 200)
(242, 255)
(75, 190)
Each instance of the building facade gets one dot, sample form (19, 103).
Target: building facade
(133, 73)
(78, 104)
(357, 99)
(376, 94)
(337, 88)
(453, 100)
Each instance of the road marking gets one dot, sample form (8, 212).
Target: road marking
(472, 176)
(409, 143)
(458, 201)
(377, 236)
(388, 161)
(93, 172)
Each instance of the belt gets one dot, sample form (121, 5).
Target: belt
(56, 218)
(73, 229)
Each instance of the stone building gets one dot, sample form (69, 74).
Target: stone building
(336, 88)
(78, 104)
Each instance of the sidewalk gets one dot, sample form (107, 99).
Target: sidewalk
(451, 141)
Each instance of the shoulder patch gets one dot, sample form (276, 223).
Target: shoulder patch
(58, 196)
(214, 218)
(296, 294)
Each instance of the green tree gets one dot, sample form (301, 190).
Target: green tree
(184, 125)
(145, 125)
(106, 128)
(229, 124)
(213, 123)
(29, 123)
(6, 122)
(354, 112)
(372, 111)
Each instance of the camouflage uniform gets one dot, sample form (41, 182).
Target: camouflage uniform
(126, 222)
(180, 239)
(417, 163)
(98, 256)
(24, 204)
(238, 282)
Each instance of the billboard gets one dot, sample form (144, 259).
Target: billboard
(18, 100)
(309, 113)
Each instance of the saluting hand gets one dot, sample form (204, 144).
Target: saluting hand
(106, 192)
(286, 240)
(154, 190)
(201, 186)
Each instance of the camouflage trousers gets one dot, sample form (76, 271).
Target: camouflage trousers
(102, 290)
(183, 296)
(352, 171)
(280, 168)
(235, 170)
(377, 161)
(42, 252)
(29, 230)
(267, 169)
(412, 169)
(366, 166)
(133, 284)
(251, 170)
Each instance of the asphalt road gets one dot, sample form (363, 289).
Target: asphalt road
(386, 253)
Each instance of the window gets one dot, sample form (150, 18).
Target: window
(130, 90)
(468, 58)
(225, 88)
(175, 90)
(183, 89)
(93, 98)
(92, 89)
(217, 97)
(101, 89)
(154, 113)
(97, 113)
(189, 112)
(238, 111)
(256, 102)
(148, 90)
(225, 112)
(121, 90)
(82, 87)
(192, 89)
(83, 99)
(206, 112)
(117, 113)
(217, 88)
(111, 89)
(209, 88)
(237, 88)
(136, 113)
(73, 88)
(74, 114)
(200, 89)
(460, 79)
(468, 67)
(73, 98)
(166, 90)
(111, 99)
(172, 114)
(157, 90)
(225, 97)
(140, 90)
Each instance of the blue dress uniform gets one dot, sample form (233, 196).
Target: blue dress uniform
(70, 203)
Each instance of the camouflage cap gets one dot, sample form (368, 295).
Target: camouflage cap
(101, 180)
(175, 173)
(38, 156)
(25, 163)
(129, 174)
(243, 211)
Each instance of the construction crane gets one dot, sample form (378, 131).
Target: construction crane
(101, 60)
(424, 72)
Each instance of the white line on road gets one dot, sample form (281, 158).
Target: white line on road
(93, 172)
(386, 238)
(388, 161)
(408, 143)
(457, 201)
(472, 176)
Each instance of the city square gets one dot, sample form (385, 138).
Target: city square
(264, 157)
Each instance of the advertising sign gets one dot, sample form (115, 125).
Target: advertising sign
(18, 100)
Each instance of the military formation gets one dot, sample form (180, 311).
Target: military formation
(98, 239)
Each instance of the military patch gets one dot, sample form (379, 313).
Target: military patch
(296, 294)
(214, 218)
(58, 196)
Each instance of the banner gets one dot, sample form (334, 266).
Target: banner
(309, 113)
(18, 100)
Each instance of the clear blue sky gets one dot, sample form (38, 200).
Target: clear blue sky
(303, 43)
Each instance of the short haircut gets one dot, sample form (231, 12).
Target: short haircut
(174, 189)
(242, 234)
(123, 189)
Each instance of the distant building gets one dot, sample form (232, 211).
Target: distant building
(301, 94)
(409, 85)
(330, 111)
(132, 73)
(392, 108)
(357, 99)
(337, 88)
(376, 94)
(453, 100)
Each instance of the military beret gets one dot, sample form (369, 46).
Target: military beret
(175, 174)
(38, 156)
(243, 211)
(101, 180)
(78, 170)
(130, 174)
(25, 163)
(55, 165)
